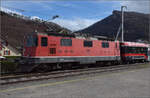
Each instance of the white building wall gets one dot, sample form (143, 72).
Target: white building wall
(13, 52)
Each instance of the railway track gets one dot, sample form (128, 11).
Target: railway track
(65, 73)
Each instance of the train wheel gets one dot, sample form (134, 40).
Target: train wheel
(41, 68)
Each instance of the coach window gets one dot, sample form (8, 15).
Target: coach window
(44, 41)
(66, 42)
(105, 44)
(142, 50)
(130, 50)
(138, 50)
(88, 44)
(133, 50)
(145, 50)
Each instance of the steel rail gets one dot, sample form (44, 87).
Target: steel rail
(65, 73)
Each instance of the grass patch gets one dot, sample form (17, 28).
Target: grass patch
(12, 57)
(8, 67)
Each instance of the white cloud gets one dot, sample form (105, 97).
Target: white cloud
(75, 24)
(35, 17)
(9, 11)
(43, 4)
(138, 6)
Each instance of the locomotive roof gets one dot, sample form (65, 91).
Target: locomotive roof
(134, 44)
(77, 36)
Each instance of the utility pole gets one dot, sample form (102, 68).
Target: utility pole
(122, 24)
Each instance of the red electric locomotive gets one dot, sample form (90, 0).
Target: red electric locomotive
(48, 49)
(52, 51)
(134, 52)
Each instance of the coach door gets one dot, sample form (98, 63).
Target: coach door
(149, 54)
(52, 48)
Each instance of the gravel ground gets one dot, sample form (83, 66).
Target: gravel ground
(124, 84)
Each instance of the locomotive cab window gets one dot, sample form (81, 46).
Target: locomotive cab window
(66, 42)
(44, 41)
(32, 41)
(105, 44)
(88, 44)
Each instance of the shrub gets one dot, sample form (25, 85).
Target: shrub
(8, 67)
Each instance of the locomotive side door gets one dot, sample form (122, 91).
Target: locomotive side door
(117, 51)
(52, 48)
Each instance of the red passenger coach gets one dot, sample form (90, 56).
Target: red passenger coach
(132, 51)
(43, 48)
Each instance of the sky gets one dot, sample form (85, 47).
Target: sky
(73, 14)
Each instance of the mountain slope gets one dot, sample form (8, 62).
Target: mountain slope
(136, 26)
(13, 28)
